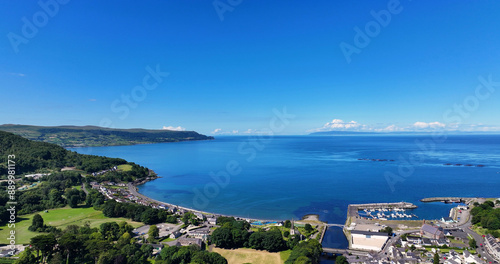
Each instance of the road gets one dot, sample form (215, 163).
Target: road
(479, 240)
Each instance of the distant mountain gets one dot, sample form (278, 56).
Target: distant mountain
(81, 136)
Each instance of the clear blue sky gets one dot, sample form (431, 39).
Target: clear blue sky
(230, 74)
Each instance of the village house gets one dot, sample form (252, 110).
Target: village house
(431, 231)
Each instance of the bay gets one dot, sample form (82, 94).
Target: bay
(285, 177)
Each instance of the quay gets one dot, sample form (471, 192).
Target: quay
(465, 200)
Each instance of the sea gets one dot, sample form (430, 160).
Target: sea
(287, 177)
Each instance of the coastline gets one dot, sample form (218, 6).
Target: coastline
(134, 190)
(135, 144)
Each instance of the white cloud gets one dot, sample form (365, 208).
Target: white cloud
(419, 126)
(432, 125)
(339, 125)
(179, 128)
(219, 131)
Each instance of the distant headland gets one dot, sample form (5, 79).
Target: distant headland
(94, 136)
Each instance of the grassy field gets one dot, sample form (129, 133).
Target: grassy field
(125, 167)
(479, 230)
(246, 255)
(60, 218)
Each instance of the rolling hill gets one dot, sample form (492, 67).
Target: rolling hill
(83, 136)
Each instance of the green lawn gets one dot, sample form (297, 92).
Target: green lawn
(168, 239)
(125, 167)
(285, 254)
(460, 242)
(446, 250)
(60, 218)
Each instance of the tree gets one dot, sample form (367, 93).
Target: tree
(341, 260)
(153, 233)
(302, 260)
(288, 224)
(308, 228)
(44, 243)
(27, 257)
(223, 237)
(436, 258)
(286, 233)
(36, 223)
(387, 230)
(472, 243)
(73, 201)
(310, 249)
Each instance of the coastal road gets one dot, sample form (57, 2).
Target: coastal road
(465, 224)
(479, 240)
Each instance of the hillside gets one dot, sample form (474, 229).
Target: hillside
(33, 156)
(82, 136)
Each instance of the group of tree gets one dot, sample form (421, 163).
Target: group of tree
(137, 212)
(110, 243)
(31, 156)
(34, 155)
(189, 218)
(306, 252)
(188, 254)
(485, 215)
(387, 230)
(54, 192)
(236, 234)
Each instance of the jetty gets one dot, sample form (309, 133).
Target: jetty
(465, 200)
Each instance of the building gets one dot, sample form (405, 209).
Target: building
(365, 240)
(212, 220)
(447, 220)
(185, 241)
(469, 258)
(175, 234)
(201, 233)
(431, 231)
(492, 246)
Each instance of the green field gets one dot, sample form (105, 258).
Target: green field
(60, 218)
(125, 167)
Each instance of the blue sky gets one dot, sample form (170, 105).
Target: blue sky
(432, 65)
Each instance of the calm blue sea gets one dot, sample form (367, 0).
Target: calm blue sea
(289, 176)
